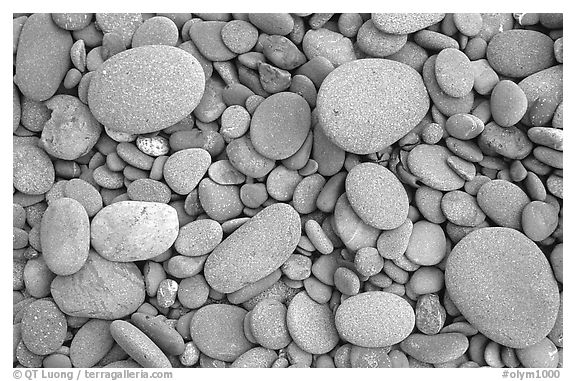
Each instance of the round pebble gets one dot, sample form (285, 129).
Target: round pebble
(33, 172)
(165, 85)
(377, 196)
(461, 208)
(184, 169)
(268, 324)
(540, 355)
(392, 244)
(43, 327)
(429, 163)
(483, 273)
(508, 103)
(454, 72)
(91, 343)
(503, 202)
(138, 346)
(218, 331)
(353, 232)
(400, 105)
(539, 220)
(311, 325)
(374, 319)
(158, 30)
(404, 23)
(239, 36)
(427, 245)
(280, 125)
(198, 238)
(376, 43)
(435, 349)
(148, 190)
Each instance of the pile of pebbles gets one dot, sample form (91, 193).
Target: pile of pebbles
(288, 190)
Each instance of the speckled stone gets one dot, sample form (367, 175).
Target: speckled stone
(350, 228)
(510, 142)
(377, 196)
(91, 343)
(503, 202)
(311, 324)
(146, 89)
(128, 231)
(328, 44)
(244, 157)
(272, 23)
(404, 23)
(454, 72)
(42, 58)
(33, 172)
(258, 357)
(184, 169)
(427, 244)
(148, 190)
(504, 286)
(123, 24)
(374, 319)
(207, 36)
(65, 236)
(218, 331)
(461, 208)
(376, 43)
(539, 220)
(392, 244)
(435, 349)
(220, 202)
(254, 250)
(71, 131)
(280, 125)
(138, 346)
(545, 84)
(198, 237)
(508, 103)
(429, 164)
(366, 105)
(90, 293)
(43, 327)
(519, 53)
(157, 30)
(268, 324)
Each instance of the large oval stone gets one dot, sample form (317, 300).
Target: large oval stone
(101, 289)
(255, 249)
(311, 324)
(377, 196)
(218, 331)
(65, 236)
(375, 319)
(146, 89)
(504, 286)
(366, 105)
(43, 57)
(128, 231)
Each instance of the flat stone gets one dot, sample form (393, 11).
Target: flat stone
(429, 164)
(435, 349)
(404, 23)
(503, 202)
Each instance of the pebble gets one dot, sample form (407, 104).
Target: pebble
(368, 261)
(153, 146)
(282, 52)
(427, 244)
(184, 169)
(361, 357)
(258, 357)
(377, 196)
(520, 53)
(91, 343)
(430, 314)
(65, 236)
(207, 36)
(392, 244)
(469, 24)
(124, 24)
(86, 294)
(280, 125)
(460, 208)
(485, 78)
(164, 336)
(33, 172)
(311, 325)
(522, 297)
(146, 107)
(376, 43)
(431, 40)
(72, 21)
(330, 157)
(543, 354)
(539, 220)
(220, 202)
(244, 157)
(328, 44)
(272, 23)
(235, 122)
(158, 30)
(148, 190)
(37, 277)
(374, 319)
(129, 231)
(464, 126)
(254, 250)
(138, 346)
(350, 88)
(404, 23)
(218, 331)
(429, 163)
(239, 36)
(43, 327)
(350, 228)
(503, 202)
(42, 57)
(549, 156)
(454, 72)
(268, 324)
(435, 349)
(198, 238)
(306, 193)
(508, 103)
(426, 280)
